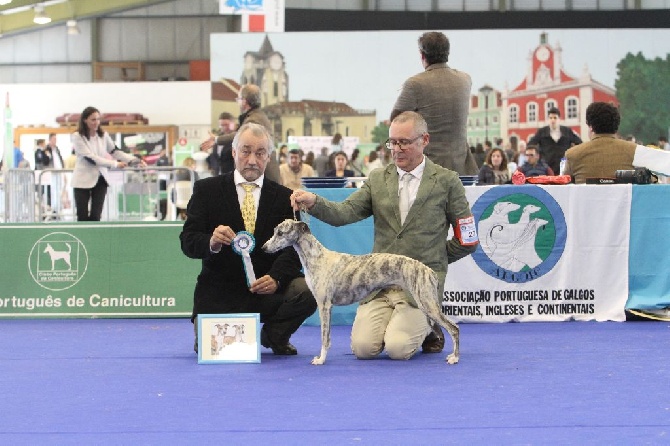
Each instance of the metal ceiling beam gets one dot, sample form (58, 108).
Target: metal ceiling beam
(22, 20)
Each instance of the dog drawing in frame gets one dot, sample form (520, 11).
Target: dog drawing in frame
(342, 279)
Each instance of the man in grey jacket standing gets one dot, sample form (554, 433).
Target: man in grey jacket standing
(442, 96)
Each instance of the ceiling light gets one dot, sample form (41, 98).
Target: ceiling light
(72, 28)
(40, 16)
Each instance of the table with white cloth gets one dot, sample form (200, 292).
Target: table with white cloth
(547, 253)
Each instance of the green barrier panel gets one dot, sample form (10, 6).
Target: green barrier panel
(95, 270)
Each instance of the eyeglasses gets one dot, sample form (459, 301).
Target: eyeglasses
(401, 143)
(260, 154)
(530, 155)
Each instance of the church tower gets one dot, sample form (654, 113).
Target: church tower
(267, 69)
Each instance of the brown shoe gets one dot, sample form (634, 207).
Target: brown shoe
(434, 342)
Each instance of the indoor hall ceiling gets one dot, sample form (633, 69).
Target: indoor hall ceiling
(17, 16)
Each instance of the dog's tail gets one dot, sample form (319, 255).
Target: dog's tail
(69, 248)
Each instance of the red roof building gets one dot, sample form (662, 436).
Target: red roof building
(547, 85)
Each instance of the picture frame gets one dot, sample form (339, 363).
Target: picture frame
(229, 338)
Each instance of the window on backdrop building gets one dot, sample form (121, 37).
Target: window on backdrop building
(514, 113)
(572, 108)
(532, 112)
(548, 106)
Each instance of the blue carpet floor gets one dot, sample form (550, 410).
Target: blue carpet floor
(137, 381)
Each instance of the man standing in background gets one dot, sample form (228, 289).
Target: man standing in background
(249, 101)
(553, 140)
(220, 159)
(441, 95)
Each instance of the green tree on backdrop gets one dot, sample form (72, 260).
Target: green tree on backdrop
(380, 133)
(643, 90)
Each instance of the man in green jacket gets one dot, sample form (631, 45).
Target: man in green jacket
(412, 217)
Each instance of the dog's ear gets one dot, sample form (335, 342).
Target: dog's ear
(303, 228)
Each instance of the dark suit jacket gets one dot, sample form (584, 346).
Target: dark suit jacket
(221, 286)
(552, 151)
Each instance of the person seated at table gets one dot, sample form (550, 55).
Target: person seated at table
(340, 170)
(494, 170)
(534, 165)
(292, 172)
(604, 154)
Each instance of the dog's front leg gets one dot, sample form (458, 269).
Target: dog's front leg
(324, 313)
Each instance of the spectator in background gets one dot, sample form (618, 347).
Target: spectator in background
(56, 157)
(309, 159)
(356, 163)
(520, 157)
(374, 160)
(18, 157)
(494, 170)
(337, 143)
(480, 155)
(604, 154)
(321, 163)
(249, 102)
(534, 165)
(94, 147)
(340, 169)
(291, 173)
(220, 159)
(554, 139)
(442, 96)
(663, 143)
(282, 156)
(42, 155)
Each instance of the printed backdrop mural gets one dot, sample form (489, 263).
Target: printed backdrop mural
(366, 69)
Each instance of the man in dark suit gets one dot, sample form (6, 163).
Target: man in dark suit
(220, 160)
(214, 217)
(414, 203)
(553, 140)
(441, 95)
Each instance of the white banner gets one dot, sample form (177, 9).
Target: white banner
(546, 253)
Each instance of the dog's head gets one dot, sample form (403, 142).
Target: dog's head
(287, 233)
(48, 248)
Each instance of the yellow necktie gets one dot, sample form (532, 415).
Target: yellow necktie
(249, 207)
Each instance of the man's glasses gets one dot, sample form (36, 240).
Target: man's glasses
(401, 143)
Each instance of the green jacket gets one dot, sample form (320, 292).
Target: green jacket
(439, 203)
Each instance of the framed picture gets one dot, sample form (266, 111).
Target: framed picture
(229, 338)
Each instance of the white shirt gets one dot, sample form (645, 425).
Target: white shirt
(241, 193)
(414, 183)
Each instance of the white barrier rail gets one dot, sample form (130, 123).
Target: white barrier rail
(134, 194)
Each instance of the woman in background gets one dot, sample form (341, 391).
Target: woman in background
(93, 146)
(340, 170)
(356, 163)
(494, 170)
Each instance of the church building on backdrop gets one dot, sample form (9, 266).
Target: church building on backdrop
(307, 117)
(520, 112)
